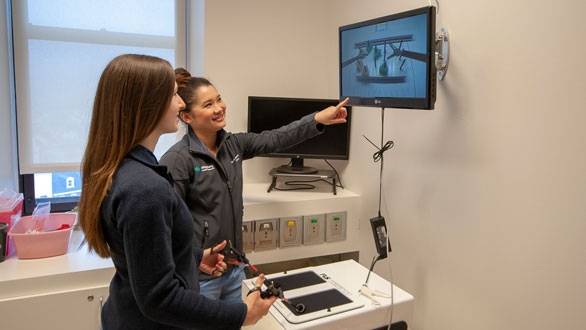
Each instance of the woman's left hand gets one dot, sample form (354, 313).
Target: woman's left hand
(332, 115)
(213, 264)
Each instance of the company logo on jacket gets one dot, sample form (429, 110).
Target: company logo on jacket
(204, 168)
(236, 158)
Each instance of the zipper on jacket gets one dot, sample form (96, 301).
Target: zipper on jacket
(206, 233)
(228, 184)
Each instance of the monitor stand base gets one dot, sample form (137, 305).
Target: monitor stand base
(297, 170)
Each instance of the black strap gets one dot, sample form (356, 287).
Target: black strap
(256, 288)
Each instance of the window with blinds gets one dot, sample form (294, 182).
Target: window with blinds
(60, 49)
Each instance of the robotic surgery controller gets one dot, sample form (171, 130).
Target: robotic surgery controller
(230, 252)
(274, 289)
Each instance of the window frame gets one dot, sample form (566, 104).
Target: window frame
(26, 182)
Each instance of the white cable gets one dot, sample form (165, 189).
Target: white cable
(390, 264)
(392, 294)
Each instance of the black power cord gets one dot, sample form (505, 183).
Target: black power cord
(379, 156)
(374, 260)
(337, 175)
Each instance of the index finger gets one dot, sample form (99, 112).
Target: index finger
(343, 103)
(220, 246)
(260, 280)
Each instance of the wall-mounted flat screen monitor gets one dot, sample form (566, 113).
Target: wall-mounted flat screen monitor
(389, 61)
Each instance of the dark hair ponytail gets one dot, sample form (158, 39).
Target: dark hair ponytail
(188, 86)
(182, 77)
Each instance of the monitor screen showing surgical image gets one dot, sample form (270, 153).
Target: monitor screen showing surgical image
(387, 62)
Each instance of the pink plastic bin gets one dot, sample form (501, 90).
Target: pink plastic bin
(45, 244)
(10, 211)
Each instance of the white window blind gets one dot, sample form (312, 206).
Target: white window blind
(60, 50)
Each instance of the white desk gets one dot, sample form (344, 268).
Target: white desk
(350, 275)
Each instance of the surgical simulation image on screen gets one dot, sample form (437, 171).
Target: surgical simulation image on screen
(388, 59)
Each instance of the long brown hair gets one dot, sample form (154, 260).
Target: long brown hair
(132, 95)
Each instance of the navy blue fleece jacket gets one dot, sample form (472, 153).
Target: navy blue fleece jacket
(149, 230)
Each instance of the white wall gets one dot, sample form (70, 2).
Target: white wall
(7, 164)
(484, 195)
(268, 48)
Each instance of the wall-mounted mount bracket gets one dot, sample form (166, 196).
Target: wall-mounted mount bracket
(442, 43)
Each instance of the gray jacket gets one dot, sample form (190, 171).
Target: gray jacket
(212, 186)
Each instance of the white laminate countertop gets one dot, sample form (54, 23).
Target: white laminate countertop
(76, 269)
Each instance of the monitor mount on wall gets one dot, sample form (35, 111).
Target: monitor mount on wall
(442, 45)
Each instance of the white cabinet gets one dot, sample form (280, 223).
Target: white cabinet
(60, 293)
(77, 309)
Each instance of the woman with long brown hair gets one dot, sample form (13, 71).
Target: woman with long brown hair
(129, 211)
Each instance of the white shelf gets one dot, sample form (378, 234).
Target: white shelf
(256, 193)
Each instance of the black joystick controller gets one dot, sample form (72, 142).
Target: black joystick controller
(230, 252)
(274, 289)
(299, 307)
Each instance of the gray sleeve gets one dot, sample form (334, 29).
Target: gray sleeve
(253, 144)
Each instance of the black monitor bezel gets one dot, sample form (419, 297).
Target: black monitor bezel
(426, 103)
(298, 155)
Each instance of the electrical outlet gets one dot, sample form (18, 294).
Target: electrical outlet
(336, 226)
(266, 235)
(313, 228)
(290, 234)
(247, 236)
(291, 231)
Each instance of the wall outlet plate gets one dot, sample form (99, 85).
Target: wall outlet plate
(314, 228)
(247, 236)
(336, 226)
(290, 231)
(266, 234)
